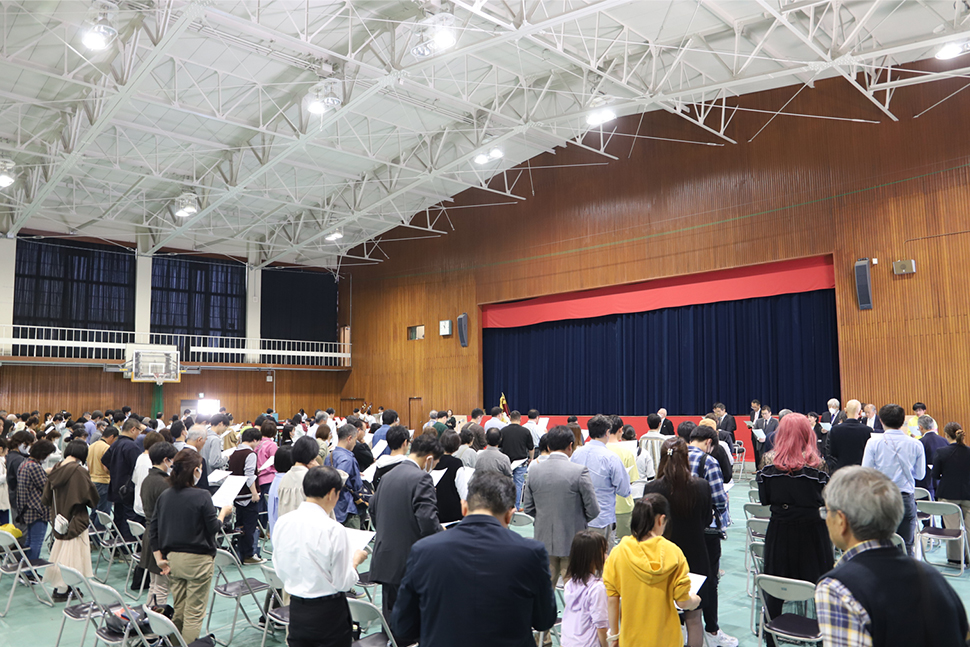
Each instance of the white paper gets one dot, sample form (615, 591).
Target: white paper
(749, 423)
(436, 475)
(543, 424)
(228, 491)
(369, 473)
(379, 447)
(517, 464)
(585, 433)
(631, 446)
(268, 464)
(226, 453)
(636, 489)
(462, 478)
(369, 438)
(728, 486)
(759, 434)
(411, 433)
(217, 475)
(358, 539)
(827, 426)
(695, 582)
(228, 431)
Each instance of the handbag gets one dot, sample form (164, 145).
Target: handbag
(61, 524)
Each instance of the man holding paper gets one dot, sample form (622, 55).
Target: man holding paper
(314, 558)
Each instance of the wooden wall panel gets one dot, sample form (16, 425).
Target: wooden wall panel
(74, 388)
(802, 187)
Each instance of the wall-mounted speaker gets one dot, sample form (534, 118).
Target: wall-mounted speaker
(463, 329)
(904, 267)
(863, 284)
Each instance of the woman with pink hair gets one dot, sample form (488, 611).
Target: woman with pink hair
(797, 543)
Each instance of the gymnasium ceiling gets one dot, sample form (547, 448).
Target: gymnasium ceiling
(209, 98)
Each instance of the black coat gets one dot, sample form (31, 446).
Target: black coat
(847, 444)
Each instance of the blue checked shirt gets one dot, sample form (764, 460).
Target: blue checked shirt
(712, 474)
(842, 621)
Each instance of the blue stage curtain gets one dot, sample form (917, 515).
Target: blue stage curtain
(782, 350)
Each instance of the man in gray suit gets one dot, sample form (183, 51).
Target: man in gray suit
(404, 510)
(491, 458)
(560, 495)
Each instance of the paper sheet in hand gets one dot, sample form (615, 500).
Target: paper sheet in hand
(543, 424)
(268, 464)
(379, 447)
(519, 463)
(228, 491)
(728, 486)
(695, 582)
(827, 426)
(358, 539)
(462, 478)
(217, 475)
(759, 434)
(436, 476)
(749, 423)
(369, 473)
(636, 489)
(631, 445)
(226, 453)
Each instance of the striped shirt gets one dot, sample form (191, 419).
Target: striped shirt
(842, 621)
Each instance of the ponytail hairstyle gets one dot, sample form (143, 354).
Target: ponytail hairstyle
(674, 469)
(183, 469)
(954, 431)
(645, 513)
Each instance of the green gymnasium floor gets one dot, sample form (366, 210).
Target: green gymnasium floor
(32, 624)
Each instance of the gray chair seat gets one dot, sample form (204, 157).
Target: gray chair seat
(374, 640)
(280, 615)
(941, 532)
(11, 567)
(238, 588)
(795, 625)
(111, 637)
(81, 611)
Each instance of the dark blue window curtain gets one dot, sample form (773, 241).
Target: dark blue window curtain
(69, 284)
(782, 350)
(198, 297)
(301, 305)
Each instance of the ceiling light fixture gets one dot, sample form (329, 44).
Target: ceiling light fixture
(6, 173)
(335, 236)
(99, 31)
(436, 33)
(952, 50)
(481, 159)
(496, 153)
(186, 205)
(600, 117)
(325, 95)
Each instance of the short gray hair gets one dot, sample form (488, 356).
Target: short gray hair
(196, 432)
(926, 422)
(783, 413)
(871, 503)
(833, 404)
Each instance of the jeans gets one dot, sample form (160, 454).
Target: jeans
(907, 527)
(246, 517)
(518, 475)
(4, 517)
(36, 532)
(104, 505)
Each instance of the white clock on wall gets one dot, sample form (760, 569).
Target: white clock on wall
(444, 327)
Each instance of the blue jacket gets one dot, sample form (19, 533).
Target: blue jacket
(475, 584)
(381, 434)
(343, 459)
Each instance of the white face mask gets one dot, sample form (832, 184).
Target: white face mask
(23, 449)
(198, 476)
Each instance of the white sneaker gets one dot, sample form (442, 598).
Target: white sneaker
(720, 639)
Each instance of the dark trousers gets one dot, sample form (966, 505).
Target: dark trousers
(388, 598)
(122, 514)
(710, 605)
(907, 527)
(320, 622)
(246, 517)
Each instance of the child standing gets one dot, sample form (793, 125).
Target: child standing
(585, 618)
(644, 575)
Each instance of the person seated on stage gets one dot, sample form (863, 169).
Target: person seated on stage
(312, 555)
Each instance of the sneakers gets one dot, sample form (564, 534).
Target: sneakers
(249, 561)
(720, 639)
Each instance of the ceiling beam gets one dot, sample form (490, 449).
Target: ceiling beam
(112, 106)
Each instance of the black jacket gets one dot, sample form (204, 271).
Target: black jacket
(185, 521)
(475, 585)
(847, 444)
(952, 468)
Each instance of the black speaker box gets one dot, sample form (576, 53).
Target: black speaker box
(863, 284)
(463, 329)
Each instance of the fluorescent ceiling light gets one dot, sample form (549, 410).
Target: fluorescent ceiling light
(495, 153)
(951, 50)
(436, 33)
(600, 117)
(481, 158)
(186, 205)
(7, 176)
(327, 94)
(334, 236)
(100, 34)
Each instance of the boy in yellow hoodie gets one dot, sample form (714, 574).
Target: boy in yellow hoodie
(644, 575)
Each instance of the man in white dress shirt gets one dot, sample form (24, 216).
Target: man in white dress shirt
(533, 426)
(311, 554)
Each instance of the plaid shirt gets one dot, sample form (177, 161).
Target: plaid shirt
(842, 621)
(712, 474)
(31, 479)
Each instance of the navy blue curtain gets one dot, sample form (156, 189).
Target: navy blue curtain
(300, 305)
(782, 350)
(69, 284)
(198, 297)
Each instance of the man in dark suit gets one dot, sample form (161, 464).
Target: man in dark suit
(725, 421)
(872, 418)
(560, 495)
(404, 509)
(478, 583)
(847, 441)
(834, 415)
(666, 427)
(755, 411)
(768, 425)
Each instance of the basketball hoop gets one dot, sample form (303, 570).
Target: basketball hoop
(158, 379)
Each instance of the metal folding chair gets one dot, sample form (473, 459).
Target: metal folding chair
(739, 455)
(757, 552)
(86, 612)
(366, 615)
(756, 511)
(789, 627)
(365, 582)
(755, 530)
(28, 572)
(165, 630)
(898, 542)
(280, 615)
(112, 541)
(943, 535)
(235, 590)
(113, 603)
(138, 531)
(754, 496)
